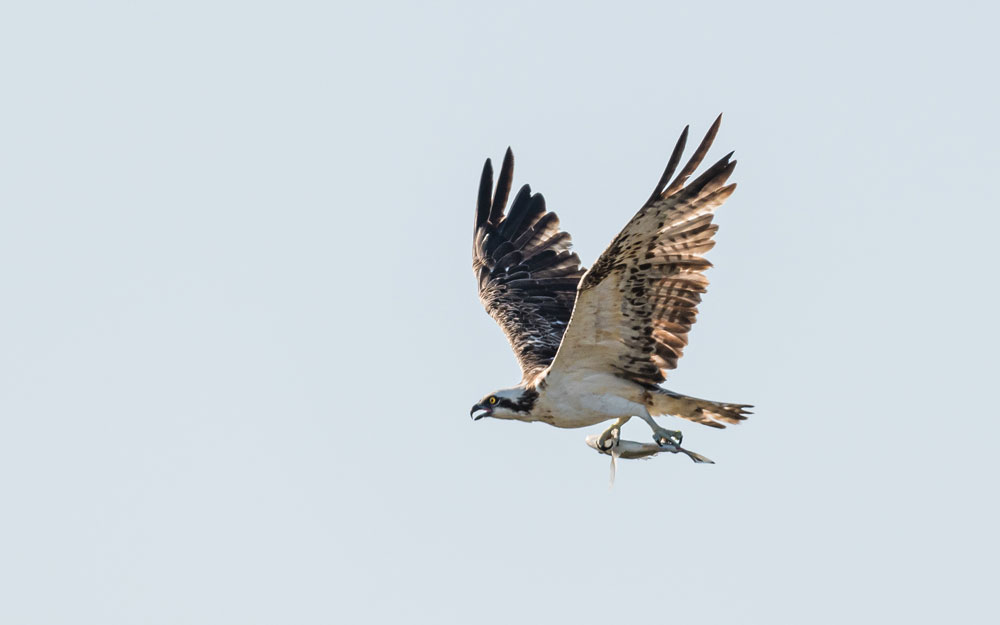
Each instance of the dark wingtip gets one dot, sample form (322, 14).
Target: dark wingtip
(715, 125)
(668, 172)
(696, 158)
(485, 188)
(504, 181)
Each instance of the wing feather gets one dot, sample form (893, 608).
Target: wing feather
(527, 272)
(637, 304)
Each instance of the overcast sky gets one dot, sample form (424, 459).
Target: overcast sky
(239, 332)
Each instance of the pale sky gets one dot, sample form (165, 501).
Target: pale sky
(240, 336)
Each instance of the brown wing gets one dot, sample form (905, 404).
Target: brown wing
(638, 302)
(527, 274)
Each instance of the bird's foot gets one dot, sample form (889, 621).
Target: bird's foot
(609, 438)
(665, 437)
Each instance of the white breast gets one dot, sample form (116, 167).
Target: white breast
(576, 403)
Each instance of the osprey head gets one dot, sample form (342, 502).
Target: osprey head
(510, 403)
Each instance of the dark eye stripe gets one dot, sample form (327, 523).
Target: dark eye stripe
(524, 404)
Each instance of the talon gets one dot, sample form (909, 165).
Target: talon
(609, 439)
(668, 437)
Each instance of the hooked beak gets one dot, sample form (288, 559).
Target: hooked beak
(479, 411)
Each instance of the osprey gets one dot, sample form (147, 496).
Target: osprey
(595, 345)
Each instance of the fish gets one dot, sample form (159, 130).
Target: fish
(630, 450)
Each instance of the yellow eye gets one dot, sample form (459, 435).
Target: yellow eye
(493, 400)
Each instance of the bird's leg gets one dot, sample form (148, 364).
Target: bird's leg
(612, 435)
(662, 436)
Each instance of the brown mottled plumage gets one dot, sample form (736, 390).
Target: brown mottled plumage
(657, 266)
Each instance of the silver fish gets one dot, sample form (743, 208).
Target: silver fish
(632, 449)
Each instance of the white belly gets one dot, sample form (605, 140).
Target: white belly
(582, 403)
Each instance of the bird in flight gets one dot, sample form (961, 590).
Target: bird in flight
(595, 345)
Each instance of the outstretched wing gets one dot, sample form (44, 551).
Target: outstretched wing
(527, 274)
(638, 302)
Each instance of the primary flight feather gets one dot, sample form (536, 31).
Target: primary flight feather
(595, 345)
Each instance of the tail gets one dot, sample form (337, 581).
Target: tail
(710, 413)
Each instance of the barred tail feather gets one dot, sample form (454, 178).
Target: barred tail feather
(710, 413)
